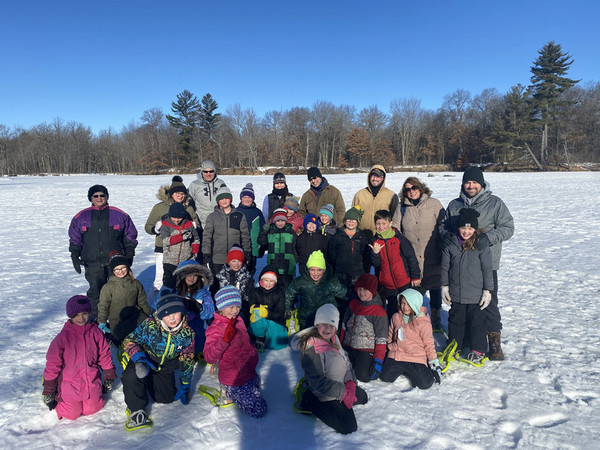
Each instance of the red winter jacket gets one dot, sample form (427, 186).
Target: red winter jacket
(73, 360)
(397, 261)
(237, 359)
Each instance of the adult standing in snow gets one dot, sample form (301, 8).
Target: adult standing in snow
(175, 193)
(204, 190)
(320, 194)
(418, 218)
(277, 197)
(94, 233)
(375, 197)
(496, 222)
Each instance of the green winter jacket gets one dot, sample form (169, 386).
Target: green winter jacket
(281, 245)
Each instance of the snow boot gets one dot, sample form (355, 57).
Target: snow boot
(494, 341)
(436, 320)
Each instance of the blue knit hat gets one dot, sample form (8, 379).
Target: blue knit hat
(247, 190)
(169, 304)
(310, 218)
(228, 296)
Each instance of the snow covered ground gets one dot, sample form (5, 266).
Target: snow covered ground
(546, 394)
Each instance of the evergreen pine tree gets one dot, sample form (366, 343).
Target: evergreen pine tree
(185, 120)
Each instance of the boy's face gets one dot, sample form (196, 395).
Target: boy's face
(466, 232)
(280, 223)
(316, 273)
(382, 224)
(235, 264)
(172, 320)
(267, 283)
(324, 218)
(311, 226)
(351, 224)
(224, 203)
(177, 220)
(246, 200)
(191, 279)
(364, 294)
(81, 319)
(230, 312)
(279, 185)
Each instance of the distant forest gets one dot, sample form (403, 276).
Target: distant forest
(554, 120)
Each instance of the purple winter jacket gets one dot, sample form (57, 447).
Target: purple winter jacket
(73, 361)
(94, 233)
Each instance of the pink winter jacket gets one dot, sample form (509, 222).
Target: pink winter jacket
(238, 359)
(417, 345)
(73, 361)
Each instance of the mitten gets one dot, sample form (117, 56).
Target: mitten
(183, 393)
(230, 331)
(208, 308)
(486, 298)
(142, 365)
(349, 394)
(157, 226)
(108, 386)
(375, 369)
(251, 264)
(49, 401)
(446, 295)
(104, 328)
(435, 367)
(76, 262)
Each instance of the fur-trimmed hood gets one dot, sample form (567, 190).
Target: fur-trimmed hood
(163, 196)
(191, 267)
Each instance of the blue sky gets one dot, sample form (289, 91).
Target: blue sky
(104, 63)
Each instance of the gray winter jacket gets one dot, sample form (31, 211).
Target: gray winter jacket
(222, 231)
(467, 272)
(495, 219)
(204, 194)
(365, 324)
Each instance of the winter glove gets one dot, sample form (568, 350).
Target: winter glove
(349, 394)
(142, 365)
(187, 235)
(76, 262)
(251, 264)
(375, 369)
(49, 401)
(107, 386)
(288, 314)
(193, 256)
(436, 369)
(183, 393)
(104, 328)
(446, 295)
(258, 312)
(230, 331)
(157, 226)
(206, 260)
(486, 298)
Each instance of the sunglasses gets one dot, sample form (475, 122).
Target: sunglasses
(208, 171)
(412, 188)
(98, 195)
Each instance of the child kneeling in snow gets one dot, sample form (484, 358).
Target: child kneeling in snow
(267, 318)
(411, 348)
(332, 389)
(228, 343)
(72, 382)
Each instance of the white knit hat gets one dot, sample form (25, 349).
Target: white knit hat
(327, 313)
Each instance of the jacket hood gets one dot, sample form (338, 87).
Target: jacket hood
(413, 298)
(191, 267)
(163, 196)
(208, 164)
(378, 167)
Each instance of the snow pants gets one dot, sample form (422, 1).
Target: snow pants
(334, 413)
(96, 276)
(158, 277)
(248, 397)
(197, 324)
(160, 385)
(467, 320)
(492, 312)
(419, 374)
(362, 361)
(72, 410)
(276, 336)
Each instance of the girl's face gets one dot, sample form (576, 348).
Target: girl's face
(191, 279)
(235, 264)
(172, 320)
(311, 226)
(121, 271)
(326, 331)
(382, 224)
(178, 197)
(405, 307)
(280, 223)
(351, 224)
(364, 294)
(177, 220)
(230, 312)
(224, 203)
(324, 218)
(466, 232)
(81, 319)
(279, 185)
(316, 273)
(267, 283)
(289, 212)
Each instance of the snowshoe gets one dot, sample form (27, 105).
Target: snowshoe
(475, 359)
(299, 391)
(447, 355)
(292, 324)
(138, 419)
(216, 396)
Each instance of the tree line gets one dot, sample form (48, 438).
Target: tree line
(554, 120)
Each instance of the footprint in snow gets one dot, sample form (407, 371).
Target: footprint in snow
(548, 420)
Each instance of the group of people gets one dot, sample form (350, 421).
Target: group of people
(348, 286)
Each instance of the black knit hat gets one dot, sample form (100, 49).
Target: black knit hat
(116, 259)
(177, 186)
(473, 173)
(314, 172)
(97, 188)
(468, 218)
(177, 210)
(278, 178)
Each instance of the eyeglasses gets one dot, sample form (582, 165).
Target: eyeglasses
(412, 188)
(98, 195)
(208, 171)
(120, 269)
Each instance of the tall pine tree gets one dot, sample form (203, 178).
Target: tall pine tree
(185, 120)
(548, 83)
